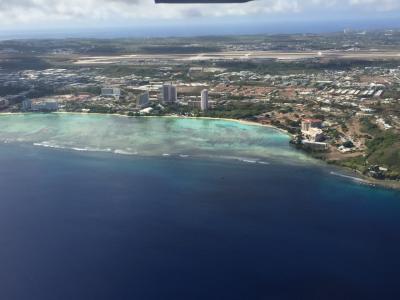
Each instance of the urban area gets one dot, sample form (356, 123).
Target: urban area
(337, 95)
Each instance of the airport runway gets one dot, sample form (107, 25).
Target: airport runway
(238, 55)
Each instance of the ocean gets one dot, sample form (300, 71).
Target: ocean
(222, 216)
(209, 27)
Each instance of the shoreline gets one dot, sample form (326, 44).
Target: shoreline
(362, 179)
(346, 172)
(244, 122)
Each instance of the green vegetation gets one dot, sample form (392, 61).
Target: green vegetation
(355, 163)
(94, 90)
(19, 63)
(238, 110)
(383, 150)
(305, 67)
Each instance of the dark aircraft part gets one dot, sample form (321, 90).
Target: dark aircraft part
(200, 1)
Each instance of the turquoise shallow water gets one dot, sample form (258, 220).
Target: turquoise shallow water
(101, 225)
(149, 136)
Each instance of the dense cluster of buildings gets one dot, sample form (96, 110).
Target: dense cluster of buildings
(139, 99)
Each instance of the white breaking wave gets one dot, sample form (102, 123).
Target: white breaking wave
(242, 159)
(349, 177)
(80, 149)
(124, 152)
(49, 145)
(84, 149)
(249, 161)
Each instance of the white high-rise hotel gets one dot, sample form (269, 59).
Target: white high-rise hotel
(169, 93)
(204, 100)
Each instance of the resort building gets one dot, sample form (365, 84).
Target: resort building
(204, 100)
(307, 124)
(314, 135)
(169, 93)
(111, 92)
(311, 130)
(45, 105)
(315, 145)
(143, 100)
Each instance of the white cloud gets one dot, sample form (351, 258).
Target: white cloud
(378, 5)
(95, 11)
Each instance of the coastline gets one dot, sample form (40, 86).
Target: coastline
(387, 184)
(344, 171)
(244, 122)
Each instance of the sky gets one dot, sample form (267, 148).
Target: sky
(145, 16)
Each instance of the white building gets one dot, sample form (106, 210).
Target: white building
(143, 100)
(169, 93)
(146, 111)
(311, 130)
(111, 92)
(45, 105)
(204, 100)
(315, 145)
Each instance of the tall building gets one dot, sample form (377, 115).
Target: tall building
(169, 93)
(143, 100)
(173, 94)
(165, 93)
(26, 105)
(204, 100)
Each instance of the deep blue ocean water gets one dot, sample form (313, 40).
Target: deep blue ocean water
(101, 226)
